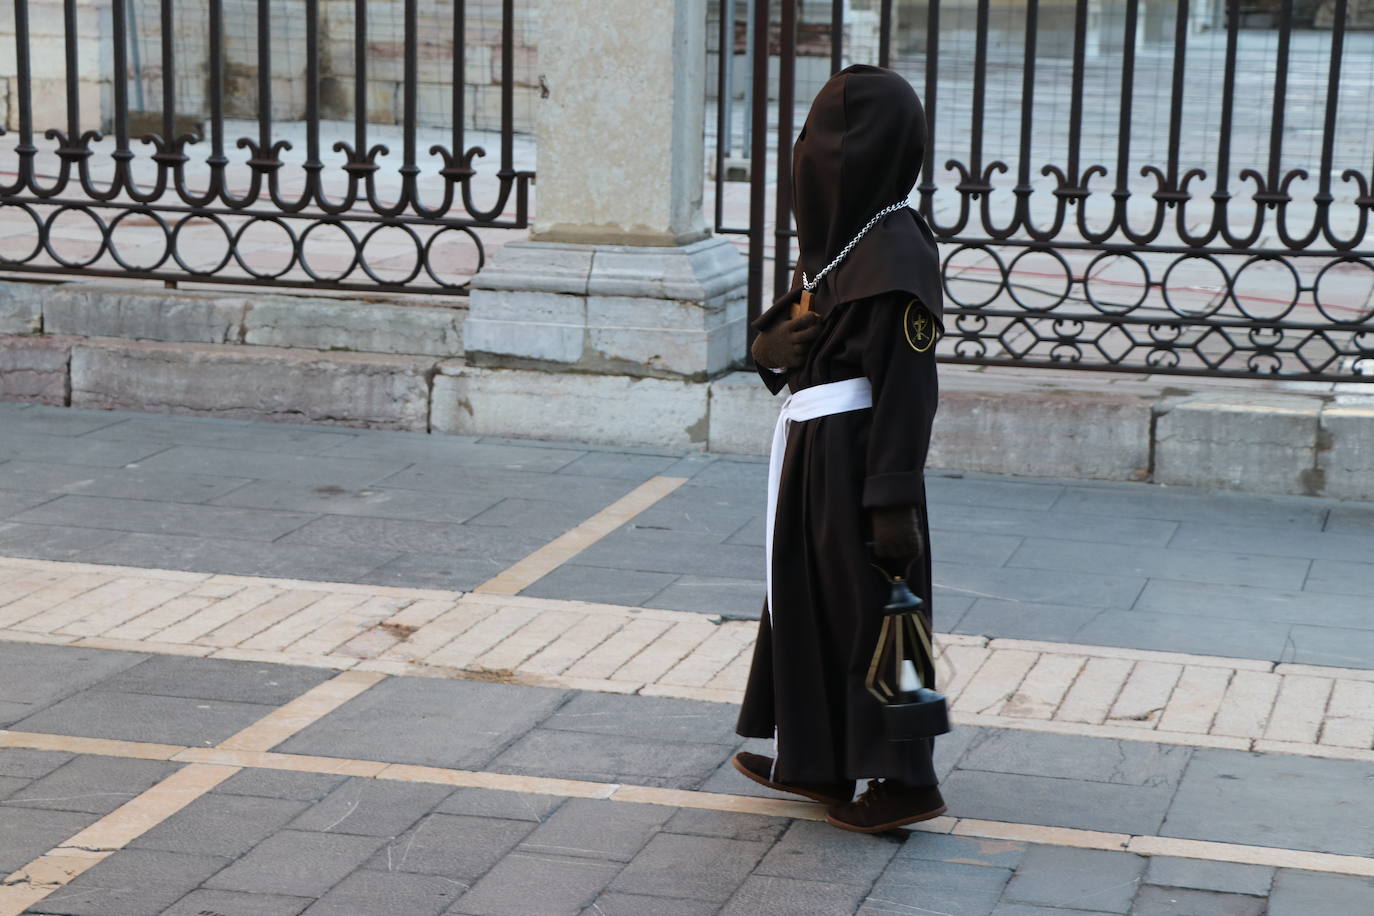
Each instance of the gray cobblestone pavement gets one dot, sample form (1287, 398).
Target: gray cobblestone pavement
(273, 842)
(1175, 569)
(1249, 576)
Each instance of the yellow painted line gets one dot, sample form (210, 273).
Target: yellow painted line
(215, 764)
(306, 709)
(568, 545)
(103, 747)
(61, 865)
(207, 768)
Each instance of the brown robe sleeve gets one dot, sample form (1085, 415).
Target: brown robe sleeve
(899, 360)
(774, 381)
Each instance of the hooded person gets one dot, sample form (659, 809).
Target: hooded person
(854, 341)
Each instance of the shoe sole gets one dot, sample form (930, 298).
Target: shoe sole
(829, 800)
(891, 825)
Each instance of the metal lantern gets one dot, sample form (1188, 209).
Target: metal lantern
(903, 665)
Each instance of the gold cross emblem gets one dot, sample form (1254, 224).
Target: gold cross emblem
(920, 328)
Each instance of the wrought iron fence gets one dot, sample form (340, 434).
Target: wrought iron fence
(311, 193)
(1142, 186)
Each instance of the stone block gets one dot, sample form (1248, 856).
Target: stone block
(710, 271)
(814, 850)
(613, 410)
(21, 307)
(1171, 901)
(370, 807)
(1004, 426)
(142, 717)
(1240, 441)
(143, 314)
(595, 829)
(662, 352)
(496, 342)
(330, 324)
(35, 369)
(743, 413)
(428, 722)
(297, 864)
(578, 755)
(530, 267)
(1053, 876)
(675, 312)
(92, 785)
(549, 884)
(454, 846)
(1345, 456)
(1205, 875)
(337, 389)
(1304, 893)
(697, 868)
(133, 882)
(220, 825)
(373, 891)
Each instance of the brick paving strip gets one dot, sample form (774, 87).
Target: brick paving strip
(1059, 688)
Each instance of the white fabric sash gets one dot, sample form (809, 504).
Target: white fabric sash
(807, 404)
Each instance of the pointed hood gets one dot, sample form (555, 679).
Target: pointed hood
(860, 151)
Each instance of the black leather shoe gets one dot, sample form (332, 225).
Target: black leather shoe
(759, 768)
(887, 806)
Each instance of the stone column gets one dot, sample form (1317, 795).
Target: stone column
(620, 279)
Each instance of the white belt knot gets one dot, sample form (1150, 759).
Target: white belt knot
(807, 404)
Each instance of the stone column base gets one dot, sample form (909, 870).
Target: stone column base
(668, 313)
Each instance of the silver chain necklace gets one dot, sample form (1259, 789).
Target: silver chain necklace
(809, 284)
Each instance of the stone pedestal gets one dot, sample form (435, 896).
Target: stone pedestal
(647, 312)
(621, 307)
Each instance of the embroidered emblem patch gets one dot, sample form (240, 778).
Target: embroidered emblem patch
(920, 328)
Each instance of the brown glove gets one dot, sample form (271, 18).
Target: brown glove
(896, 532)
(784, 345)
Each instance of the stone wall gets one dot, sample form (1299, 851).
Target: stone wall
(394, 365)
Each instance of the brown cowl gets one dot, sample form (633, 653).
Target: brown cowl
(860, 151)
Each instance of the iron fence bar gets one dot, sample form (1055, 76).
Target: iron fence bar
(507, 90)
(1023, 190)
(932, 93)
(271, 212)
(750, 21)
(1280, 96)
(1154, 320)
(459, 78)
(758, 164)
(314, 187)
(1322, 200)
(725, 92)
(71, 148)
(1080, 42)
(1170, 193)
(724, 100)
(264, 162)
(885, 33)
(1122, 193)
(122, 154)
(409, 196)
(836, 35)
(25, 150)
(787, 80)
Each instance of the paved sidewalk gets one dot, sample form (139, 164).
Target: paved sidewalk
(252, 669)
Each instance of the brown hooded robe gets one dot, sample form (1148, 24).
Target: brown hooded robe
(860, 151)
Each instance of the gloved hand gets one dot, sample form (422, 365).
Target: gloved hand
(896, 532)
(784, 345)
